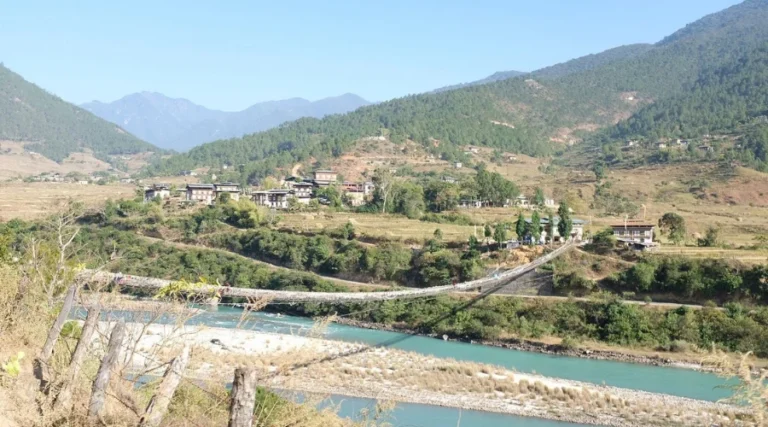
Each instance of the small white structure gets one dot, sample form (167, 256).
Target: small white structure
(457, 165)
(163, 191)
(355, 198)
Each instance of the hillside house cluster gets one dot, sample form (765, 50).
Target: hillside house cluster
(303, 190)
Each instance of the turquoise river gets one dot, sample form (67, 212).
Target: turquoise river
(674, 381)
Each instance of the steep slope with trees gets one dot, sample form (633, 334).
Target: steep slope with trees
(56, 128)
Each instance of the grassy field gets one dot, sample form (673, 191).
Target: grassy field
(393, 227)
(38, 199)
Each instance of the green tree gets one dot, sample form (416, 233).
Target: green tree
(331, 194)
(550, 226)
(538, 198)
(487, 232)
(520, 226)
(598, 168)
(441, 196)
(500, 234)
(535, 228)
(674, 226)
(711, 237)
(564, 223)
(223, 198)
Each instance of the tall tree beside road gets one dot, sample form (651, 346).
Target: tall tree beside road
(565, 223)
(520, 227)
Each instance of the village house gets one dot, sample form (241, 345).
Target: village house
(470, 203)
(474, 150)
(228, 187)
(577, 229)
(549, 203)
(368, 188)
(661, 145)
(202, 193)
(636, 233)
(324, 178)
(302, 191)
(355, 198)
(522, 201)
(188, 173)
(448, 179)
(457, 165)
(163, 191)
(275, 198)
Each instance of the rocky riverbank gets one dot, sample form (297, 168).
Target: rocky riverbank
(324, 366)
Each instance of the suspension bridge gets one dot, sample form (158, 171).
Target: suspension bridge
(489, 284)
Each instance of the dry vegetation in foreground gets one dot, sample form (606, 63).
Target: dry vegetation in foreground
(43, 389)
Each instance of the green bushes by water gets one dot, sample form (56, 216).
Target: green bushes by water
(610, 321)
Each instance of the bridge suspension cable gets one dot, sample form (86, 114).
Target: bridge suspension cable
(488, 284)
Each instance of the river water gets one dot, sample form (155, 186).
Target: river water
(679, 382)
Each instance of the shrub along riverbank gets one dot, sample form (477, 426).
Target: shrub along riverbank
(611, 321)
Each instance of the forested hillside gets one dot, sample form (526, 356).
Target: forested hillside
(593, 61)
(55, 127)
(721, 100)
(533, 114)
(516, 115)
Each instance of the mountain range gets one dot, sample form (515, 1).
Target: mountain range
(179, 124)
(537, 113)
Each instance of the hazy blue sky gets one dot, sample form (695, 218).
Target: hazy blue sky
(230, 54)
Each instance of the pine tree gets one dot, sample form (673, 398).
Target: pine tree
(520, 227)
(565, 223)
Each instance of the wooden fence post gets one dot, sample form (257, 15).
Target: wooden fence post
(64, 398)
(243, 398)
(41, 364)
(158, 405)
(99, 391)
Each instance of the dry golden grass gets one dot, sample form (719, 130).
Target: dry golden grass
(393, 227)
(16, 162)
(36, 200)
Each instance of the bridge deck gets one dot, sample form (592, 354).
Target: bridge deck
(487, 283)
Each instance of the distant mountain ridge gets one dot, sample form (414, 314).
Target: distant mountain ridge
(55, 128)
(180, 124)
(495, 77)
